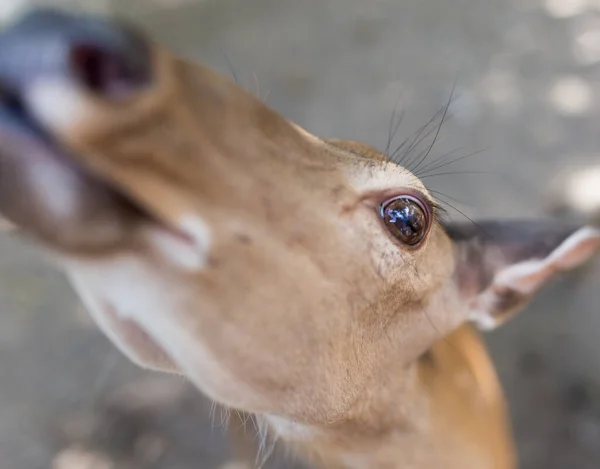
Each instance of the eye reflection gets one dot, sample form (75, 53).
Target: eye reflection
(406, 218)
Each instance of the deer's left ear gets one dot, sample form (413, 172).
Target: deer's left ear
(500, 265)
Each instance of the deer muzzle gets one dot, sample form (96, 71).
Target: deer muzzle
(43, 189)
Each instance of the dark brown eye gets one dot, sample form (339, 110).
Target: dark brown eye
(406, 218)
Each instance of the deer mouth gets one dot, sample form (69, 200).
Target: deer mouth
(51, 196)
(49, 191)
(48, 194)
(45, 189)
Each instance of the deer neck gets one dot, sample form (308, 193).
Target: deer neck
(444, 410)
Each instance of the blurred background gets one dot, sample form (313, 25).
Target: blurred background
(527, 76)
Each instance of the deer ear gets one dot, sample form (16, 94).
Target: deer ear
(500, 265)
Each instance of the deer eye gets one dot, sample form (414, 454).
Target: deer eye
(407, 219)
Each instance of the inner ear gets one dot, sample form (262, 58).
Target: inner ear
(500, 265)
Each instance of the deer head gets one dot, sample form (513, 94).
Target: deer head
(284, 274)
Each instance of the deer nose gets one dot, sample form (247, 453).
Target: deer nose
(100, 55)
(42, 187)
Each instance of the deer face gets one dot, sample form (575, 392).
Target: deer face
(209, 236)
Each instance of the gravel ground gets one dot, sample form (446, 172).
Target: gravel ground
(528, 92)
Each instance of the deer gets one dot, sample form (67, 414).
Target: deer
(309, 283)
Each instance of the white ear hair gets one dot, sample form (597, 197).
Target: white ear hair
(515, 284)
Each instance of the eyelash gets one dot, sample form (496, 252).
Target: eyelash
(405, 234)
(435, 209)
(375, 199)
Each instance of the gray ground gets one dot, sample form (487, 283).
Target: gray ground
(529, 89)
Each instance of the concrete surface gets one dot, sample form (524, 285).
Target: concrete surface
(528, 87)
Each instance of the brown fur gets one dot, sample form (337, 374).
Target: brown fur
(356, 377)
(307, 313)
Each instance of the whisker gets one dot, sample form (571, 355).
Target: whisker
(225, 416)
(438, 129)
(440, 159)
(415, 139)
(212, 414)
(427, 169)
(441, 194)
(265, 447)
(457, 173)
(230, 65)
(460, 212)
(396, 128)
(413, 146)
(255, 76)
(245, 419)
(254, 423)
(265, 99)
(393, 129)
(417, 156)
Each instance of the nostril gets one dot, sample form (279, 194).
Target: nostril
(105, 72)
(14, 104)
(107, 57)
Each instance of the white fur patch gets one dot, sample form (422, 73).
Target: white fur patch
(55, 187)
(237, 465)
(190, 254)
(356, 460)
(94, 306)
(384, 177)
(585, 234)
(197, 229)
(158, 304)
(58, 104)
(181, 252)
(288, 430)
(305, 133)
(483, 320)
(568, 255)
